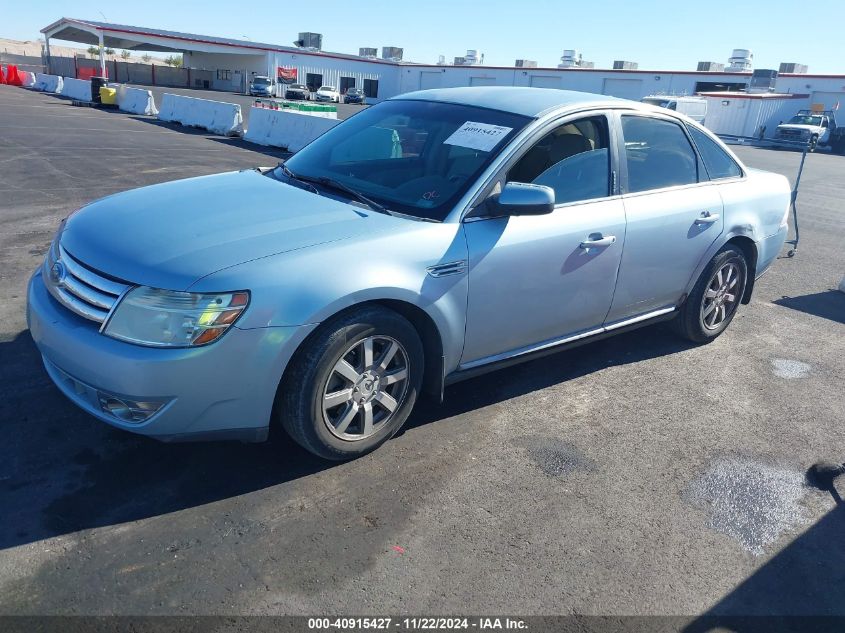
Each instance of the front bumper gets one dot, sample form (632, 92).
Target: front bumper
(224, 390)
(792, 142)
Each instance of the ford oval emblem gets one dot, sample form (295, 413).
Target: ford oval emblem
(58, 273)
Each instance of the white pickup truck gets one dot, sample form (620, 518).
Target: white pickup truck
(813, 128)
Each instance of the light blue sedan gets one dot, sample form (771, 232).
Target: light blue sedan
(427, 239)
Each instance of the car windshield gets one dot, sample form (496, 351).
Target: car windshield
(663, 103)
(297, 87)
(802, 119)
(353, 91)
(261, 81)
(329, 88)
(414, 157)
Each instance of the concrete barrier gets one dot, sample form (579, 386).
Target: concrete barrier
(48, 83)
(136, 100)
(215, 116)
(284, 128)
(76, 89)
(27, 79)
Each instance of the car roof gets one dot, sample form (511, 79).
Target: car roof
(532, 102)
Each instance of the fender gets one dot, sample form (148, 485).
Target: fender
(310, 285)
(747, 233)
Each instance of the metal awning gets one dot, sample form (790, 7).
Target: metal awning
(148, 39)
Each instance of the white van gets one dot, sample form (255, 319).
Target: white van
(694, 107)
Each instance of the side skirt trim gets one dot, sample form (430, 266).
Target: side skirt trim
(486, 365)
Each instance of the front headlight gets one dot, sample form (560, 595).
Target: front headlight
(165, 318)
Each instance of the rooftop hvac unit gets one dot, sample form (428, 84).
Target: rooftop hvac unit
(441, 60)
(525, 63)
(710, 67)
(623, 65)
(314, 41)
(460, 61)
(742, 60)
(393, 53)
(763, 81)
(792, 68)
(367, 52)
(471, 57)
(571, 58)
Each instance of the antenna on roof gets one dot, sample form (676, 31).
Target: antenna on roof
(104, 15)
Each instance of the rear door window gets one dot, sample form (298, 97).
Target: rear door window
(658, 154)
(717, 161)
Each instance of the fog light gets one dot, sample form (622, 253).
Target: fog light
(126, 410)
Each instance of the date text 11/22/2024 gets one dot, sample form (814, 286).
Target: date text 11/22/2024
(416, 623)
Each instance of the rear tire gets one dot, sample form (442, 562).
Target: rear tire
(352, 384)
(715, 298)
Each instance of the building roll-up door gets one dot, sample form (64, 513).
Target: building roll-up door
(430, 79)
(545, 81)
(624, 88)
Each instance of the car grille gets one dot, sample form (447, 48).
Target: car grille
(78, 288)
(791, 134)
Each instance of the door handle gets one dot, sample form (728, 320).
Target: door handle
(599, 241)
(707, 218)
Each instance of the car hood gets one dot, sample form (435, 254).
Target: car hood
(794, 126)
(173, 234)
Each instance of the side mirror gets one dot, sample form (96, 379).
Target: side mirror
(520, 198)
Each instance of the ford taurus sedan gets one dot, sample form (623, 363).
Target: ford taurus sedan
(429, 238)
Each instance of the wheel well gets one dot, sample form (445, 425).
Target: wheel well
(433, 382)
(749, 248)
(432, 343)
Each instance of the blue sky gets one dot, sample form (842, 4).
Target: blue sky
(659, 35)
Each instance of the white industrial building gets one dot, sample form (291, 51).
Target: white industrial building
(231, 62)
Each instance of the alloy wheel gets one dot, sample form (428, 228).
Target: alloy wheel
(721, 296)
(365, 388)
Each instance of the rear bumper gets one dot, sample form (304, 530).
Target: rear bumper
(221, 391)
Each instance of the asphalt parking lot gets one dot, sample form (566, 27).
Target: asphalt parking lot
(344, 110)
(637, 475)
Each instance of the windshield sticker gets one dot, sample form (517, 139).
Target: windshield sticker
(480, 136)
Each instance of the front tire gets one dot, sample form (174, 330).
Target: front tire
(715, 298)
(353, 383)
